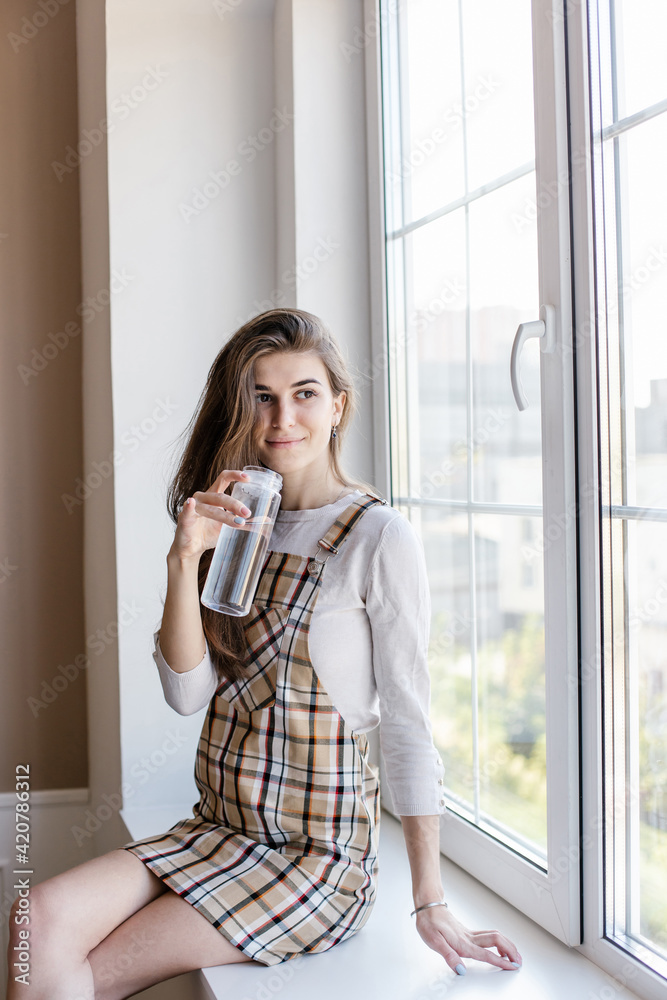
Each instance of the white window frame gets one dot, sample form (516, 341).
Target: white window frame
(570, 902)
(551, 898)
(625, 968)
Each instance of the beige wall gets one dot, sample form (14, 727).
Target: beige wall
(41, 544)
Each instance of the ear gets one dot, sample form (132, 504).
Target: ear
(339, 403)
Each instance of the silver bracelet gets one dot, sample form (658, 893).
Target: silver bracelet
(425, 906)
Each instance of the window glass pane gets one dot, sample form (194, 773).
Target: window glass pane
(510, 662)
(642, 154)
(647, 628)
(465, 463)
(504, 293)
(436, 288)
(498, 100)
(641, 30)
(431, 163)
(446, 546)
(631, 300)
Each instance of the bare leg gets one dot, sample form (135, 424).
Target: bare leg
(164, 939)
(111, 928)
(69, 915)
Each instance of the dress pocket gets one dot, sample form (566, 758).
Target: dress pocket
(264, 630)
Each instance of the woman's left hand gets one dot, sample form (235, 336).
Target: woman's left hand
(442, 932)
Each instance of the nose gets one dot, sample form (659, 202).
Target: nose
(282, 414)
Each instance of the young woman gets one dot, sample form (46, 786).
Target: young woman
(280, 855)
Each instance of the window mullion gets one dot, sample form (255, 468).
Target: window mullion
(472, 571)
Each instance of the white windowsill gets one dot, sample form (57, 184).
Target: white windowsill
(387, 957)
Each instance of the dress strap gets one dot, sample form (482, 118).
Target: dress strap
(343, 524)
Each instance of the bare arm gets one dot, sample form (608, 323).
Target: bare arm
(437, 925)
(422, 839)
(182, 638)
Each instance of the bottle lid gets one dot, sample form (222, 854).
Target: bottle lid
(261, 476)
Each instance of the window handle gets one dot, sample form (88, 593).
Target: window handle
(545, 329)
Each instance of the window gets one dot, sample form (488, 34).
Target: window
(629, 101)
(525, 256)
(463, 171)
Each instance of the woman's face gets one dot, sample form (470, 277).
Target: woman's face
(295, 411)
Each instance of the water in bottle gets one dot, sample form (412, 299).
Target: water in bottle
(240, 550)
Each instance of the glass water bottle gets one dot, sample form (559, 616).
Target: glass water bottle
(239, 552)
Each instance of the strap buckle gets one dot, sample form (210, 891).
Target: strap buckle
(315, 565)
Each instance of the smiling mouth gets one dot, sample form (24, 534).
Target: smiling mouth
(285, 441)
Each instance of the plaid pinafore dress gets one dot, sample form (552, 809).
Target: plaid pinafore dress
(281, 852)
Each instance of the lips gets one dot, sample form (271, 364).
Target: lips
(284, 442)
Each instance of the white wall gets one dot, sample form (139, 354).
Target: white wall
(329, 209)
(205, 81)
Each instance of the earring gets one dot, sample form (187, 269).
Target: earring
(333, 431)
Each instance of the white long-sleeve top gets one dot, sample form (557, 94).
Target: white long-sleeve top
(368, 643)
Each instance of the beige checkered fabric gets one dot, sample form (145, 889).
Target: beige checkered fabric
(281, 852)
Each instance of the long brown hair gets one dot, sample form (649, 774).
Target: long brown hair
(222, 436)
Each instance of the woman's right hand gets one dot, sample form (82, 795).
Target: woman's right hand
(199, 522)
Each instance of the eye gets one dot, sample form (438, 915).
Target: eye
(264, 397)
